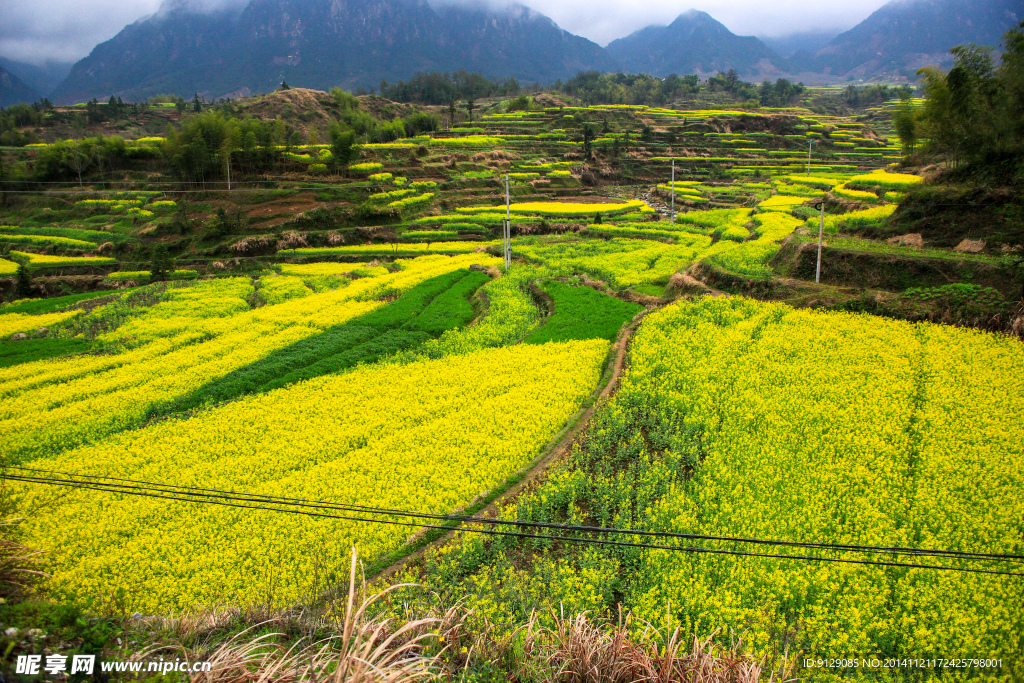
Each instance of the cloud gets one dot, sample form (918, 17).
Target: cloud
(66, 30)
(63, 30)
(37, 31)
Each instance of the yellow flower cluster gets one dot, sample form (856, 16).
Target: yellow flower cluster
(276, 289)
(331, 268)
(427, 435)
(47, 261)
(561, 208)
(620, 262)
(781, 202)
(12, 323)
(886, 180)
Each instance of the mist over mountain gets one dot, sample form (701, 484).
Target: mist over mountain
(905, 35)
(43, 78)
(323, 43)
(694, 42)
(14, 90)
(807, 41)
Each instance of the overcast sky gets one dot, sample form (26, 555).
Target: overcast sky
(67, 30)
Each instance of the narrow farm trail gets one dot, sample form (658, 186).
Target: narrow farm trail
(579, 423)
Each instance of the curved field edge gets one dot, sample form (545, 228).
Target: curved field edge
(499, 496)
(378, 435)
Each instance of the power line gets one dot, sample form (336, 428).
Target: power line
(303, 502)
(256, 502)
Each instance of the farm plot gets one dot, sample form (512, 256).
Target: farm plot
(174, 348)
(581, 313)
(620, 262)
(437, 432)
(755, 420)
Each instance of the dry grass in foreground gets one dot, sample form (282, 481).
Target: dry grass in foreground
(364, 648)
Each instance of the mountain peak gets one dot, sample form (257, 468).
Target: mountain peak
(694, 43)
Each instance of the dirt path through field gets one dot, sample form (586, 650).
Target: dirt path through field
(541, 466)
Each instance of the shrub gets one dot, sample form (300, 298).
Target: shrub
(368, 167)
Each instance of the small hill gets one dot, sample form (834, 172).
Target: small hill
(693, 43)
(306, 109)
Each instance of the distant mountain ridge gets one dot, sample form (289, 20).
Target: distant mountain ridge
(322, 43)
(694, 43)
(904, 35)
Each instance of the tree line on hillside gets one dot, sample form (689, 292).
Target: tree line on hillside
(202, 146)
(434, 87)
(592, 87)
(973, 115)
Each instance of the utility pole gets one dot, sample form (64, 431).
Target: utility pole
(672, 215)
(229, 170)
(810, 141)
(507, 228)
(821, 230)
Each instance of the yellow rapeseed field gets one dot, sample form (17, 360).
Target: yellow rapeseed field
(176, 347)
(427, 436)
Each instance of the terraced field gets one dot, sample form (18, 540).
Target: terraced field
(349, 334)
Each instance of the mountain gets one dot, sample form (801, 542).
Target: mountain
(694, 42)
(905, 35)
(42, 78)
(322, 43)
(13, 90)
(809, 41)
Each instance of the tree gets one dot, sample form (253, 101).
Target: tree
(76, 156)
(470, 106)
(285, 86)
(341, 145)
(196, 106)
(3, 180)
(451, 113)
(905, 122)
(588, 137)
(23, 280)
(161, 265)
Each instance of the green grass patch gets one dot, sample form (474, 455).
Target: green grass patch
(582, 313)
(28, 350)
(58, 303)
(424, 312)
